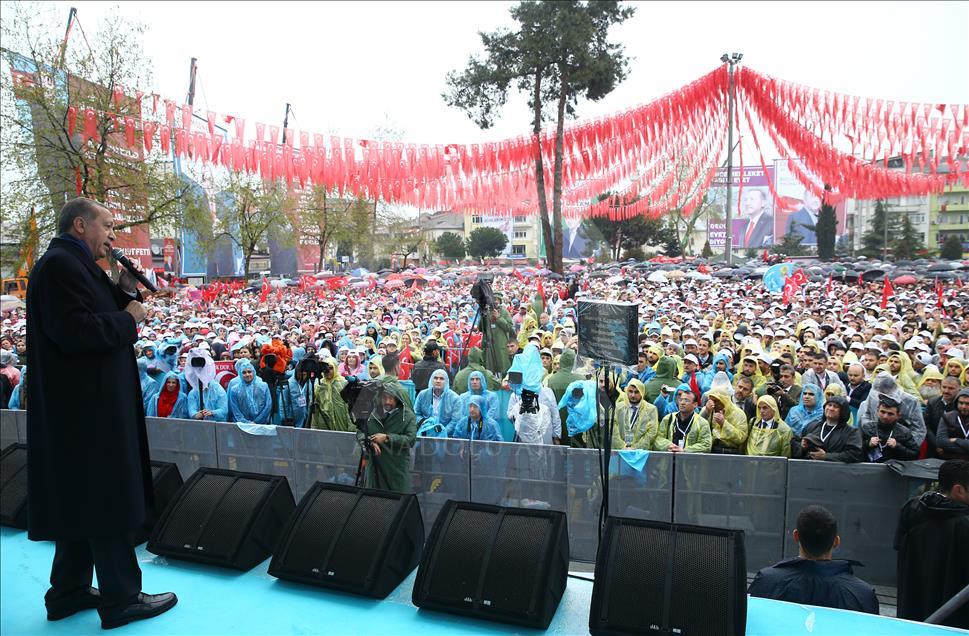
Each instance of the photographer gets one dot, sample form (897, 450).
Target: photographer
(497, 326)
(387, 437)
(330, 412)
(289, 408)
(782, 388)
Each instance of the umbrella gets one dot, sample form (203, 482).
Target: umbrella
(905, 279)
(393, 284)
(278, 283)
(722, 273)
(873, 275)
(360, 271)
(695, 275)
(9, 303)
(600, 275)
(943, 267)
(359, 285)
(324, 274)
(554, 276)
(657, 277)
(676, 274)
(420, 270)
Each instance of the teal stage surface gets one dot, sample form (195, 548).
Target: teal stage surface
(216, 601)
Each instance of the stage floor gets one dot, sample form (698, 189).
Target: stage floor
(216, 601)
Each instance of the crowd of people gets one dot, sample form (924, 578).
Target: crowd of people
(722, 367)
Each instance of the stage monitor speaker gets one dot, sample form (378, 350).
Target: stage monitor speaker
(495, 563)
(662, 578)
(352, 539)
(13, 486)
(224, 517)
(166, 479)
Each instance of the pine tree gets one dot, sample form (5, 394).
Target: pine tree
(952, 248)
(707, 250)
(909, 241)
(873, 241)
(826, 229)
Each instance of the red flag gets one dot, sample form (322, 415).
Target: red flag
(541, 291)
(352, 304)
(860, 280)
(373, 284)
(517, 274)
(765, 255)
(265, 291)
(887, 290)
(830, 285)
(790, 288)
(799, 277)
(938, 293)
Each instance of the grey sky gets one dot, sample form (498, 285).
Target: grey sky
(349, 67)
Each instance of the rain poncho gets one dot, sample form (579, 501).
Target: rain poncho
(290, 407)
(800, 416)
(698, 438)
(728, 364)
(449, 406)
(490, 398)
(180, 407)
(529, 364)
(16, 396)
(910, 408)
(637, 425)
(483, 428)
(391, 470)
(475, 363)
(769, 442)
(905, 378)
(732, 432)
(582, 410)
(331, 412)
(665, 375)
(559, 381)
(757, 378)
(249, 402)
(206, 392)
(148, 386)
(496, 336)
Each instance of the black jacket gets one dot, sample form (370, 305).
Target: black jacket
(822, 583)
(858, 394)
(88, 472)
(843, 444)
(420, 375)
(905, 447)
(948, 429)
(932, 540)
(934, 410)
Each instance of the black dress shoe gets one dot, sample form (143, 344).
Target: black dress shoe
(145, 606)
(83, 599)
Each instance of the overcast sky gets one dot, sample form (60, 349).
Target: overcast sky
(348, 67)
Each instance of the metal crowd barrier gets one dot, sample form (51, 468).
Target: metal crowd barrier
(760, 495)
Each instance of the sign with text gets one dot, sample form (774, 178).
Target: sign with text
(608, 331)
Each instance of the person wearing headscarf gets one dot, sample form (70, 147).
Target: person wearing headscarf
(476, 422)
(206, 399)
(352, 366)
(808, 409)
(830, 438)
(148, 385)
(637, 419)
(728, 424)
(884, 385)
(438, 402)
(249, 398)
(685, 430)
(331, 412)
(169, 401)
(769, 435)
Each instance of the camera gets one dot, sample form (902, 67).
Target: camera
(514, 377)
(578, 392)
(482, 293)
(198, 363)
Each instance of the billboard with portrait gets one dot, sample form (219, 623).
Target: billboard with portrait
(753, 208)
(799, 213)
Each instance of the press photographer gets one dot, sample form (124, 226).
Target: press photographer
(386, 438)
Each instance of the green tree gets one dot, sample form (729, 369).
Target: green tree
(629, 234)
(707, 250)
(324, 220)
(486, 242)
(909, 242)
(873, 241)
(559, 52)
(826, 229)
(450, 245)
(951, 248)
(44, 164)
(790, 245)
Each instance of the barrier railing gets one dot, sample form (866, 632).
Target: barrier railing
(760, 495)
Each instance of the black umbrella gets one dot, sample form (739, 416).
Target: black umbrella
(941, 267)
(724, 273)
(873, 275)
(554, 276)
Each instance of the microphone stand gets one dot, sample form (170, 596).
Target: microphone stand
(605, 444)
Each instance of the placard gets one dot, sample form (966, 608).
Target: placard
(608, 331)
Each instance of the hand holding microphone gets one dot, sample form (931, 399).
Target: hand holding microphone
(134, 271)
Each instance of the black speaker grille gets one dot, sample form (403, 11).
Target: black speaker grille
(311, 543)
(513, 571)
(186, 522)
(228, 525)
(366, 530)
(155, 470)
(13, 481)
(460, 555)
(701, 568)
(637, 581)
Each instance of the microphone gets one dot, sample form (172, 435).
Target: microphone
(119, 256)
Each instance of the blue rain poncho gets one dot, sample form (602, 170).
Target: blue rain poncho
(449, 409)
(581, 411)
(800, 416)
(490, 397)
(483, 428)
(249, 402)
(179, 409)
(529, 364)
(148, 385)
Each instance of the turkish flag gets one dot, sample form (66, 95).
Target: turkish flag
(887, 290)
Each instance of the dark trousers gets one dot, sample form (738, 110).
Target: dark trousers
(119, 577)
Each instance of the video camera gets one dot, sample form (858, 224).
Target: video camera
(481, 291)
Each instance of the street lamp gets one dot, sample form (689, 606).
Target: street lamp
(731, 61)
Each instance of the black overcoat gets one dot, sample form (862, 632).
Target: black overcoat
(88, 472)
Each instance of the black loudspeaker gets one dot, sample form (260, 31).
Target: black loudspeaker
(13, 486)
(663, 578)
(224, 517)
(166, 479)
(502, 564)
(351, 539)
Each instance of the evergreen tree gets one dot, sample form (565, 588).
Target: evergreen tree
(952, 248)
(873, 241)
(707, 250)
(826, 229)
(909, 241)
(450, 245)
(790, 245)
(486, 242)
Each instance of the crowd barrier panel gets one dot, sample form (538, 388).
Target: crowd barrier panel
(760, 495)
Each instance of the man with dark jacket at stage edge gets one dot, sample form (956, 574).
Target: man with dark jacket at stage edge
(813, 577)
(932, 540)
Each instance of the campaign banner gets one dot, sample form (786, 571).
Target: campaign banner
(801, 205)
(751, 203)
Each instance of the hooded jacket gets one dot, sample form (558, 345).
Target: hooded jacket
(450, 409)
(249, 402)
(475, 363)
(391, 470)
(932, 540)
(665, 375)
(800, 416)
(698, 438)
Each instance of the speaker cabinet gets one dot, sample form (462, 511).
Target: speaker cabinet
(495, 563)
(352, 539)
(661, 578)
(13, 486)
(166, 479)
(224, 517)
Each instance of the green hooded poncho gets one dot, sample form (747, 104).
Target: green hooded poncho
(331, 413)
(665, 375)
(391, 470)
(496, 335)
(475, 363)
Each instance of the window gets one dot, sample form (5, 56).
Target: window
(476, 220)
(518, 250)
(521, 219)
(520, 234)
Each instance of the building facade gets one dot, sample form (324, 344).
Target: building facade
(949, 214)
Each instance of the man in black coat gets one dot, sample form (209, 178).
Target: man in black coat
(88, 472)
(858, 387)
(936, 408)
(830, 438)
(952, 435)
(814, 577)
(421, 374)
(932, 540)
